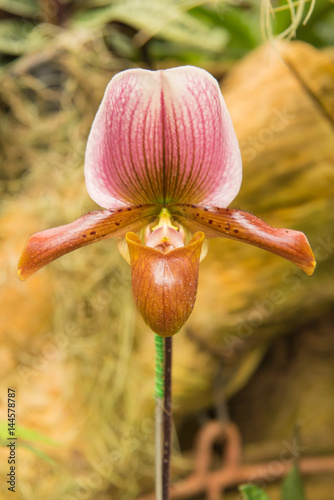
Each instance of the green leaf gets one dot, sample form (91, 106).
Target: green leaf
(166, 19)
(24, 434)
(242, 26)
(292, 487)
(27, 438)
(14, 36)
(252, 492)
(24, 8)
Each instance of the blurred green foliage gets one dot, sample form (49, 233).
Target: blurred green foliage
(252, 492)
(292, 488)
(148, 31)
(27, 438)
(23, 434)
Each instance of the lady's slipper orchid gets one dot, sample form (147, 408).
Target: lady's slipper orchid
(163, 155)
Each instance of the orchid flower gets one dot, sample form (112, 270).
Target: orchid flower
(163, 160)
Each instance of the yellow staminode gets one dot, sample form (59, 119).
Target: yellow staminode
(164, 219)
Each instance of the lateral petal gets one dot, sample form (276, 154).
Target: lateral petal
(160, 137)
(46, 246)
(242, 226)
(164, 285)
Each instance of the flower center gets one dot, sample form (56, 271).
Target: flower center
(164, 236)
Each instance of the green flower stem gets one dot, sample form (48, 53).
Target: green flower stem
(159, 395)
(167, 444)
(159, 366)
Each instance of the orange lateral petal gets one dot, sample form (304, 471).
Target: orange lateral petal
(46, 246)
(242, 226)
(164, 285)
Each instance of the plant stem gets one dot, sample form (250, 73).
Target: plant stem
(159, 395)
(167, 418)
(158, 447)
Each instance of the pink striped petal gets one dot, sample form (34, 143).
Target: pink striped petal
(162, 137)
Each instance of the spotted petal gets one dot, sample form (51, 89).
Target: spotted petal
(46, 246)
(160, 137)
(242, 226)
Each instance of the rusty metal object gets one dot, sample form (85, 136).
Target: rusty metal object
(233, 472)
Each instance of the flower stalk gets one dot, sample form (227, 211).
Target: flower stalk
(159, 405)
(167, 445)
(163, 415)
